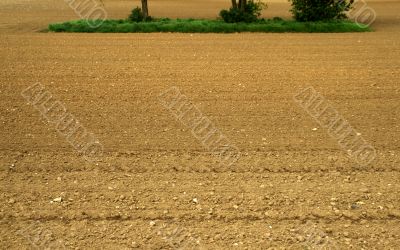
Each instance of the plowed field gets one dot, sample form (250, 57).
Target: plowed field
(156, 186)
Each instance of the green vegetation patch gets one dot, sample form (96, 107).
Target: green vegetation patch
(275, 25)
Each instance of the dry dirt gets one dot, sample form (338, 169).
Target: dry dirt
(156, 186)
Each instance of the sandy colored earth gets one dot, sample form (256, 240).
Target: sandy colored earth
(156, 186)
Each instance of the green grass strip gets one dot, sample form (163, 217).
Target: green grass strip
(206, 26)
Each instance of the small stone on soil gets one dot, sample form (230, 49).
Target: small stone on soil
(58, 199)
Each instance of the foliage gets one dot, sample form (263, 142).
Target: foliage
(205, 26)
(137, 16)
(250, 13)
(320, 10)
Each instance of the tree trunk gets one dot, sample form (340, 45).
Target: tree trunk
(145, 10)
(234, 4)
(242, 4)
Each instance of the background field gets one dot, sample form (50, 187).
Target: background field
(153, 167)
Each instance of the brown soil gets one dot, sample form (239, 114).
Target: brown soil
(156, 186)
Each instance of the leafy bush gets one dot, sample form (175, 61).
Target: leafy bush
(320, 10)
(251, 13)
(137, 16)
(236, 15)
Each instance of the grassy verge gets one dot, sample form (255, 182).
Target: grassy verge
(205, 26)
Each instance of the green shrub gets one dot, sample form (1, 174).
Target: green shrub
(251, 13)
(319, 10)
(235, 15)
(137, 16)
